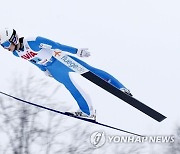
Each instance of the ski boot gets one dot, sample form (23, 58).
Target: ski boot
(126, 91)
(81, 114)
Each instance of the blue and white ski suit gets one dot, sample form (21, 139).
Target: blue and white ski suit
(39, 52)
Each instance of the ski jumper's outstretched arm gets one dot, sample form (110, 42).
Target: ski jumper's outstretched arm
(55, 45)
(81, 52)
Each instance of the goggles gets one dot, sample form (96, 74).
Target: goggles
(14, 38)
(6, 44)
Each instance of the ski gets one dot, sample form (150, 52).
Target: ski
(128, 99)
(75, 66)
(70, 115)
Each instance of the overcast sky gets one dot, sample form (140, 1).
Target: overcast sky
(136, 41)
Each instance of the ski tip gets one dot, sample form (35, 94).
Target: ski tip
(161, 119)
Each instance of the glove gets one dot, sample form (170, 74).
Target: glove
(83, 52)
(47, 73)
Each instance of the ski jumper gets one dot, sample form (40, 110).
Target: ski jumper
(38, 51)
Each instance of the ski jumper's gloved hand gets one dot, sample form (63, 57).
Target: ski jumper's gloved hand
(83, 52)
(47, 73)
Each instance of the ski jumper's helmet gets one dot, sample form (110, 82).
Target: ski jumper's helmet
(8, 36)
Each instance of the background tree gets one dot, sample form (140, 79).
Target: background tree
(174, 148)
(22, 123)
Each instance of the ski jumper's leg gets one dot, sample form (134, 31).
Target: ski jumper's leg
(83, 93)
(78, 94)
(104, 75)
(61, 73)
